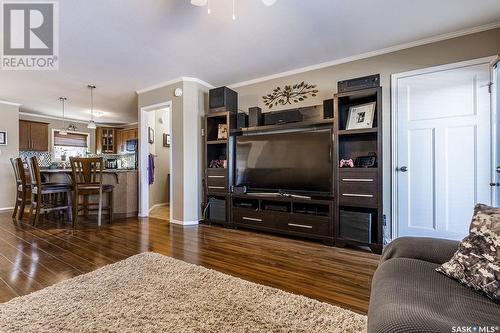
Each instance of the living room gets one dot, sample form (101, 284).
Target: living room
(160, 179)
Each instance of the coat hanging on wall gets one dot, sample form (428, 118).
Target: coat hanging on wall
(288, 94)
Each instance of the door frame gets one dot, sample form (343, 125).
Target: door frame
(394, 121)
(143, 157)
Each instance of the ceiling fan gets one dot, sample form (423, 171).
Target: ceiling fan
(202, 3)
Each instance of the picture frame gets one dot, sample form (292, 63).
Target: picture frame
(151, 135)
(222, 132)
(166, 140)
(361, 116)
(3, 138)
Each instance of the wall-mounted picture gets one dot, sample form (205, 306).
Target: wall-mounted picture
(361, 116)
(222, 133)
(151, 135)
(166, 140)
(3, 138)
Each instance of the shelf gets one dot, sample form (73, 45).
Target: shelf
(299, 124)
(216, 142)
(358, 131)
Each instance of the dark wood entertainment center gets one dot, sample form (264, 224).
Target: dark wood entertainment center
(356, 191)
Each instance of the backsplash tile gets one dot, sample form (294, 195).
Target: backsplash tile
(44, 157)
(128, 160)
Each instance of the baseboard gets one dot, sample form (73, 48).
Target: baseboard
(6, 209)
(185, 223)
(162, 204)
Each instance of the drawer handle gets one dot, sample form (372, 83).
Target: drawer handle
(216, 176)
(251, 219)
(217, 187)
(300, 225)
(357, 195)
(366, 180)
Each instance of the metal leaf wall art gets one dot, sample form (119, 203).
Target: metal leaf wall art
(288, 94)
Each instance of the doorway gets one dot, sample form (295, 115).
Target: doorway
(155, 162)
(442, 144)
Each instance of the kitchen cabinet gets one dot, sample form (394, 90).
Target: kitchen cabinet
(122, 136)
(105, 140)
(33, 136)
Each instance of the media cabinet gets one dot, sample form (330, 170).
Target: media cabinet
(356, 191)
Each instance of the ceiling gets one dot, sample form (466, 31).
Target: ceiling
(123, 46)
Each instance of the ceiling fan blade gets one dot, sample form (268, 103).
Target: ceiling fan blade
(268, 2)
(199, 2)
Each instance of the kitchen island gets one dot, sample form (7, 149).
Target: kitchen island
(125, 192)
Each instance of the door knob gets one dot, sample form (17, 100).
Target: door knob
(403, 169)
(494, 184)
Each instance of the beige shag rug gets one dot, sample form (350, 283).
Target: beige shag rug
(154, 293)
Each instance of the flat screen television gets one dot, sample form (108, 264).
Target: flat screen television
(293, 162)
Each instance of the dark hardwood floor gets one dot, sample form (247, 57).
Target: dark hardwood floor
(34, 258)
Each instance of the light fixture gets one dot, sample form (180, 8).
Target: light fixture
(63, 129)
(91, 124)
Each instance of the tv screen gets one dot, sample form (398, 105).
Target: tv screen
(294, 162)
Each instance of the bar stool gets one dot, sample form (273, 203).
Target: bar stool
(23, 188)
(47, 198)
(87, 181)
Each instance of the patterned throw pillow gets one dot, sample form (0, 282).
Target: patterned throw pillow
(476, 263)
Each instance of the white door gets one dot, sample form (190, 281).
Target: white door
(443, 147)
(496, 117)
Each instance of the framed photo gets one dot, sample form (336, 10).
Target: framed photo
(361, 116)
(222, 133)
(166, 140)
(151, 135)
(3, 138)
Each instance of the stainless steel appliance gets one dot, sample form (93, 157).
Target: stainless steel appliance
(111, 163)
(131, 145)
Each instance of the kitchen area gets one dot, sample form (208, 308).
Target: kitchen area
(53, 141)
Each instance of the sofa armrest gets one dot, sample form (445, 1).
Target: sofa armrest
(433, 250)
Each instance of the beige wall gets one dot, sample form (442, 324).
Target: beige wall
(10, 123)
(454, 50)
(58, 124)
(159, 190)
(163, 95)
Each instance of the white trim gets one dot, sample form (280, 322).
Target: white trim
(176, 80)
(370, 54)
(143, 156)
(9, 103)
(163, 204)
(6, 209)
(70, 120)
(394, 122)
(185, 223)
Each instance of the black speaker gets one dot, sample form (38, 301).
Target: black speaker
(364, 82)
(241, 120)
(217, 210)
(282, 117)
(223, 99)
(328, 109)
(355, 225)
(254, 116)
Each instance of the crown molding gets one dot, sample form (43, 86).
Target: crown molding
(366, 55)
(173, 81)
(9, 103)
(37, 115)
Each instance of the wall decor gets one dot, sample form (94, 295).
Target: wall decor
(3, 138)
(222, 132)
(288, 94)
(166, 140)
(361, 116)
(151, 135)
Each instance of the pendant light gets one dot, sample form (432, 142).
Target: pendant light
(91, 124)
(63, 129)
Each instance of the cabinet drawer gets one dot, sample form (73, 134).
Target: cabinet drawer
(306, 225)
(217, 180)
(252, 217)
(358, 187)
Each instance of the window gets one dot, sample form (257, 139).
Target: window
(70, 145)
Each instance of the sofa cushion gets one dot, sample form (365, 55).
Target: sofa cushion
(409, 296)
(477, 261)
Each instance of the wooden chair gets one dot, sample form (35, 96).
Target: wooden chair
(47, 198)
(87, 181)
(23, 187)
